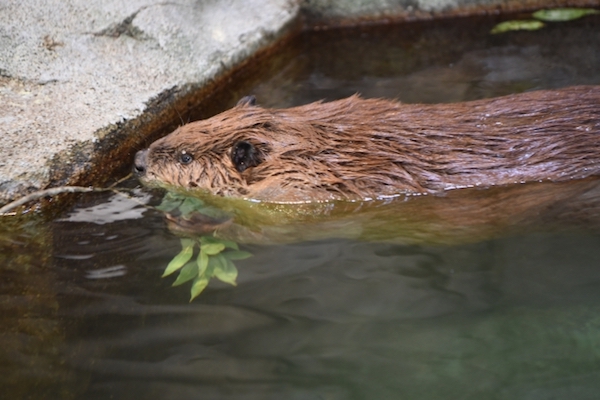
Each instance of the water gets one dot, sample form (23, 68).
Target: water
(481, 294)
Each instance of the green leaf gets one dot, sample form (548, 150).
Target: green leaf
(237, 255)
(563, 14)
(210, 270)
(209, 240)
(202, 262)
(212, 249)
(187, 273)
(516, 25)
(190, 205)
(198, 286)
(169, 202)
(225, 270)
(230, 244)
(180, 259)
(213, 263)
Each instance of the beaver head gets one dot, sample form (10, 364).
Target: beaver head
(271, 155)
(357, 149)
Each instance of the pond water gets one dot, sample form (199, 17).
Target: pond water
(489, 294)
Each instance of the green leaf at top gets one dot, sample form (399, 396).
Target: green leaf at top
(517, 25)
(212, 249)
(209, 240)
(180, 259)
(230, 244)
(563, 14)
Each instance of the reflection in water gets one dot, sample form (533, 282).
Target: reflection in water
(31, 332)
(456, 216)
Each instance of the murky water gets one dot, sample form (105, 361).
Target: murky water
(481, 294)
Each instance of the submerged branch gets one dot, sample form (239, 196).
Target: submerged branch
(6, 209)
(47, 193)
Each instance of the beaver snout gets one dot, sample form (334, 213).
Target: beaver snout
(139, 166)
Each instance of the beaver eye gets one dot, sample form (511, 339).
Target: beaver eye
(185, 158)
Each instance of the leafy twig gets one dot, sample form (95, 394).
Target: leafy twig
(212, 261)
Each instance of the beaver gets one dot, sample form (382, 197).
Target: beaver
(363, 149)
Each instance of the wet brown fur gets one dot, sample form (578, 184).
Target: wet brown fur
(359, 149)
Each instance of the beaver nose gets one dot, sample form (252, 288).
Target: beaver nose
(139, 163)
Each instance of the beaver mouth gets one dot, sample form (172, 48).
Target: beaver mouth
(141, 171)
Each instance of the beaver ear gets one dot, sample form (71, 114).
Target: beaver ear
(247, 101)
(244, 155)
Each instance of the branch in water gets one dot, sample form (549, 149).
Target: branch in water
(45, 193)
(55, 191)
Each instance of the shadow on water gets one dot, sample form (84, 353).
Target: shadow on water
(474, 294)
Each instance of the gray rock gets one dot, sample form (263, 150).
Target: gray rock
(71, 70)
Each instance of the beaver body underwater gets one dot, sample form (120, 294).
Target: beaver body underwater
(362, 149)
